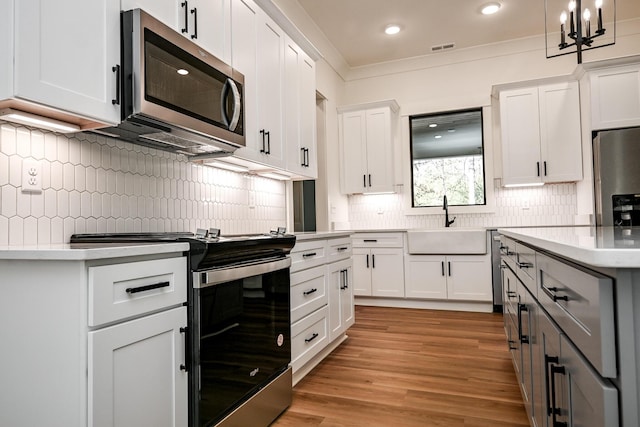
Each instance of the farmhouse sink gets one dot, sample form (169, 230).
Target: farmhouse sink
(448, 241)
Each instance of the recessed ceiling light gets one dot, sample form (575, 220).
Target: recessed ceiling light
(183, 72)
(392, 29)
(490, 8)
(432, 125)
(438, 136)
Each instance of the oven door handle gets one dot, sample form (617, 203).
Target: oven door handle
(229, 274)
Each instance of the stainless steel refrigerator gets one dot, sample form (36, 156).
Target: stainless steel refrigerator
(616, 165)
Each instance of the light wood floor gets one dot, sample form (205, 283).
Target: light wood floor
(403, 367)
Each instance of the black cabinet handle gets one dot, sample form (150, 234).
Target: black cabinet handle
(303, 156)
(370, 240)
(116, 70)
(512, 345)
(369, 180)
(268, 142)
(373, 261)
(442, 265)
(449, 267)
(364, 180)
(551, 293)
(194, 12)
(263, 149)
(524, 264)
(185, 4)
(538, 168)
(548, 360)
(345, 275)
(524, 339)
(147, 287)
(309, 292)
(555, 411)
(308, 255)
(307, 151)
(313, 337)
(545, 167)
(187, 353)
(367, 260)
(343, 248)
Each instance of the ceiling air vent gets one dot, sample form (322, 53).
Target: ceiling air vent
(441, 47)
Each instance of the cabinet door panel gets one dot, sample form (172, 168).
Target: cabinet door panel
(379, 151)
(361, 272)
(65, 51)
(354, 152)
(134, 372)
(560, 136)
(347, 308)
(520, 128)
(615, 97)
(425, 277)
(387, 272)
(469, 278)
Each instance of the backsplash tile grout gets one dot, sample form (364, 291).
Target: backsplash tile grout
(95, 184)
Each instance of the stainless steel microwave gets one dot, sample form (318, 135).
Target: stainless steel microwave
(173, 94)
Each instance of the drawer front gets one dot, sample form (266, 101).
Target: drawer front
(120, 291)
(378, 240)
(307, 254)
(592, 402)
(525, 261)
(338, 249)
(308, 292)
(308, 336)
(581, 303)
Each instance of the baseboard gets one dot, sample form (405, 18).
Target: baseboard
(479, 307)
(300, 373)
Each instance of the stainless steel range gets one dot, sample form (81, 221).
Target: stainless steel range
(239, 323)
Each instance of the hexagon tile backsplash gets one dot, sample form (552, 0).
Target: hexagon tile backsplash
(94, 184)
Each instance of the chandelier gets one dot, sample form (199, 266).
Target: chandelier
(580, 29)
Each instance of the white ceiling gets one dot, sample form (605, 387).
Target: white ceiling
(356, 27)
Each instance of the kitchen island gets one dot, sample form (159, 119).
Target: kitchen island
(587, 280)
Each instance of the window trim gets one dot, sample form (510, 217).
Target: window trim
(405, 158)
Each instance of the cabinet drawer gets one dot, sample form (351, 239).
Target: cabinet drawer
(307, 254)
(308, 292)
(308, 336)
(592, 402)
(120, 291)
(338, 249)
(508, 248)
(581, 303)
(378, 240)
(525, 262)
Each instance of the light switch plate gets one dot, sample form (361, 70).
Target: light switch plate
(31, 176)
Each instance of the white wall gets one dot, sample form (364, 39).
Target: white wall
(93, 184)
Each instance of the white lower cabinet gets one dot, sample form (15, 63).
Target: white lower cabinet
(101, 340)
(460, 277)
(378, 264)
(134, 373)
(321, 299)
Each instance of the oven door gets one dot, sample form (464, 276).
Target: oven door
(242, 335)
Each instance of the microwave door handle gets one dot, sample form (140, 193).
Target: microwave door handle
(235, 117)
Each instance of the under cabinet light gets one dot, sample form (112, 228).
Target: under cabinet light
(533, 184)
(273, 175)
(226, 166)
(16, 116)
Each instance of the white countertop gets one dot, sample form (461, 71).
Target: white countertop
(67, 252)
(311, 235)
(611, 247)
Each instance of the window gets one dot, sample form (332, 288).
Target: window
(447, 158)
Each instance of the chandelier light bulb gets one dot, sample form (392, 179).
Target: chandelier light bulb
(572, 6)
(598, 4)
(586, 15)
(563, 18)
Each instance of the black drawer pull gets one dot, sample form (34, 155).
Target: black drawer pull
(342, 249)
(512, 345)
(116, 70)
(309, 292)
(185, 4)
(194, 12)
(370, 240)
(310, 254)
(313, 337)
(187, 353)
(148, 287)
(551, 293)
(524, 339)
(524, 264)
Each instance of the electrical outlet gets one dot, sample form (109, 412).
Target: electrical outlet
(31, 176)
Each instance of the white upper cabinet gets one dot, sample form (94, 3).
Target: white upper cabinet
(615, 97)
(257, 52)
(299, 111)
(65, 55)
(541, 138)
(206, 22)
(366, 139)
